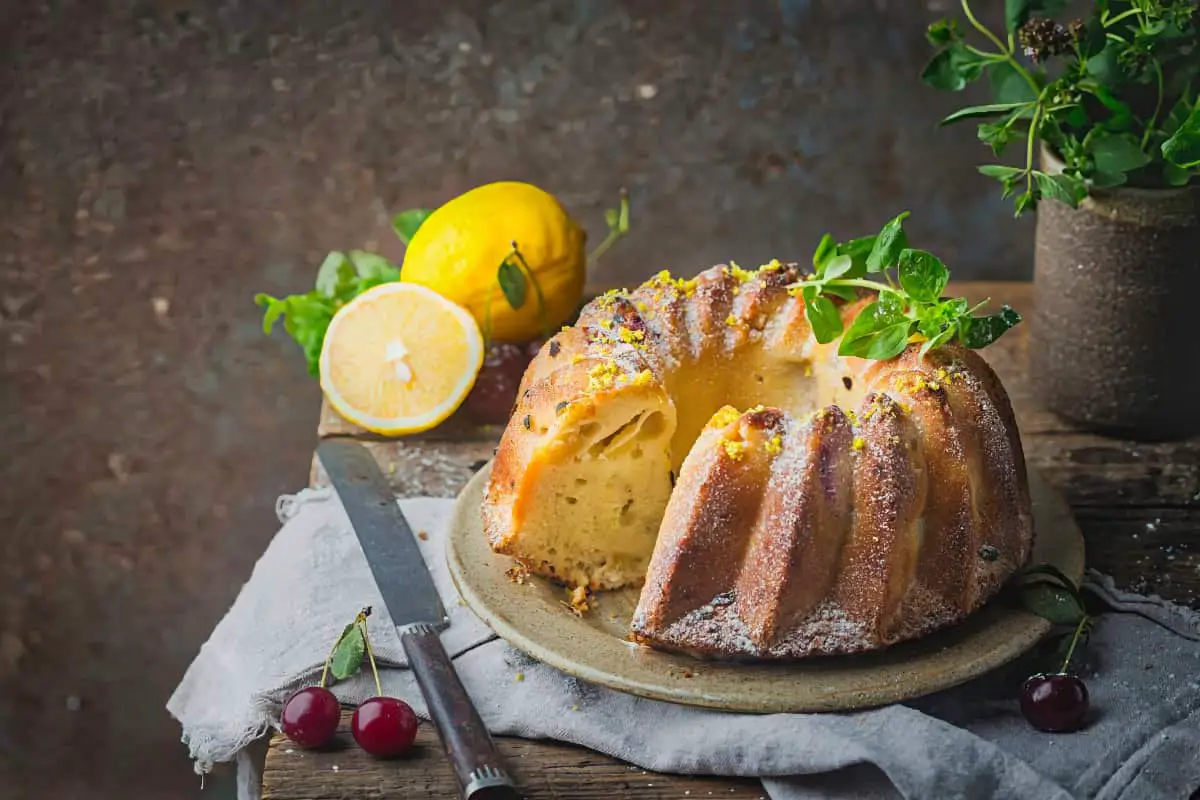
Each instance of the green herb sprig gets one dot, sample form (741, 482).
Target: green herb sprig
(909, 304)
(1113, 96)
(1044, 590)
(341, 278)
(344, 276)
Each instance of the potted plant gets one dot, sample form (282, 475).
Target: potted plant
(1103, 114)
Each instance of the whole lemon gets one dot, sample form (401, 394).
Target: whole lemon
(457, 252)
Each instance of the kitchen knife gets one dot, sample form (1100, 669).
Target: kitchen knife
(413, 603)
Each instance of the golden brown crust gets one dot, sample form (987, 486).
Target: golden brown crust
(786, 537)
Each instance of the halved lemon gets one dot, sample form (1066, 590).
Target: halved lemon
(400, 358)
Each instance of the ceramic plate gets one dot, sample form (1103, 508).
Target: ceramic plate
(532, 618)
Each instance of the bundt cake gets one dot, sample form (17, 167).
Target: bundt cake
(854, 503)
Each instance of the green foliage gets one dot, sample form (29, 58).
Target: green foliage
(1114, 96)
(910, 304)
(340, 279)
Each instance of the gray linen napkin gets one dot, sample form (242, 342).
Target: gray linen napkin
(1143, 673)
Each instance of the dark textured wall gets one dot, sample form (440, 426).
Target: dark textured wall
(162, 161)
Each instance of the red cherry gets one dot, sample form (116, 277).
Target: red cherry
(384, 726)
(1054, 703)
(310, 717)
(491, 399)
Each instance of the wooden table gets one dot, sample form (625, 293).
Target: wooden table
(1138, 505)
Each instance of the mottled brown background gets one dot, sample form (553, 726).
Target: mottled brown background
(162, 161)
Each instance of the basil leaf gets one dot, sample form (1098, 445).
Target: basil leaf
(1053, 603)
(348, 652)
(847, 293)
(335, 275)
(837, 266)
(952, 68)
(1114, 153)
(858, 250)
(888, 244)
(406, 223)
(978, 332)
(990, 110)
(824, 248)
(922, 275)
(880, 331)
(370, 265)
(1064, 188)
(512, 283)
(823, 316)
(1183, 148)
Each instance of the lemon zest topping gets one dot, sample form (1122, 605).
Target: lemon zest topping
(774, 445)
(734, 450)
(602, 376)
(643, 378)
(859, 443)
(725, 416)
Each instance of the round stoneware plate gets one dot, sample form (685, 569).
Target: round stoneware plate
(532, 617)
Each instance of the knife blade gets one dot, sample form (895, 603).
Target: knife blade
(412, 601)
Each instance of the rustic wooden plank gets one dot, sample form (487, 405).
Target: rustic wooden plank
(427, 469)
(542, 769)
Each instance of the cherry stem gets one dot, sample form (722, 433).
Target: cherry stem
(328, 659)
(1074, 641)
(362, 623)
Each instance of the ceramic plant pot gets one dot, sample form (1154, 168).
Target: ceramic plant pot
(1115, 329)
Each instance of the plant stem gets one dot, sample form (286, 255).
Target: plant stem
(1074, 641)
(1157, 103)
(329, 658)
(371, 656)
(615, 232)
(966, 7)
(537, 289)
(1037, 112)
(1127, 13)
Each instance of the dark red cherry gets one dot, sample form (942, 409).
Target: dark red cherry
(1054, 703)
(491, 399)
(310, 717)
(384, 726)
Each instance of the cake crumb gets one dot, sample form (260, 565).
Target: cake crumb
(423, 535)
(518, 573)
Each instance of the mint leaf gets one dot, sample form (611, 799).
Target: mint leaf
(858, 250)
(977, 332)
(1018, 12)
(406, 223)
(823, 316)
(989, 110)
(922, 275)
(953, 68)
(1007, 84)
(335, 276)
(1113, 153)
(824, 248)
(512, 283)
(1061, 187)
(348, 652)
(837, 266)
(1182, 149)
(880, 331)
(370, 266)
(942, 31)
(1052, 603)
(887, 246)
(999, 170)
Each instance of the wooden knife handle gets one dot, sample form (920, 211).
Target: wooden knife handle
(466, 740)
